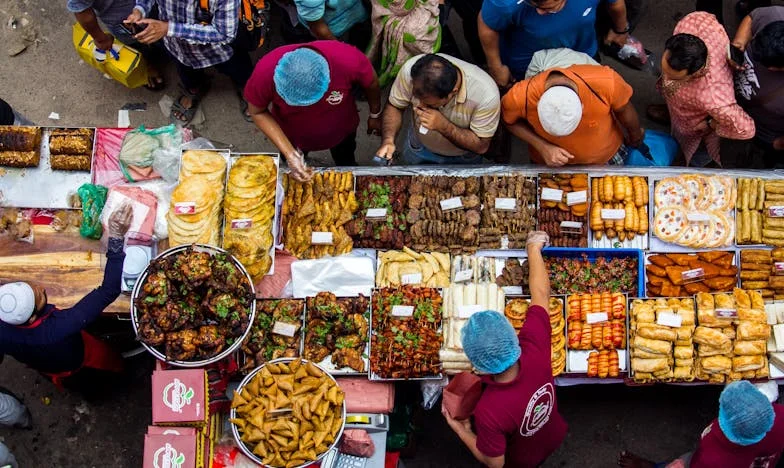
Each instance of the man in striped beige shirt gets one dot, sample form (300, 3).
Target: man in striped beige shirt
(456, 110)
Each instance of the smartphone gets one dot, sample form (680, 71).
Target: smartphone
(736, 55)
(133, 28)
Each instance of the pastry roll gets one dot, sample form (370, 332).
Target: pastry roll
(652, 346)
(710, 336)
(748, 374)
(644, 314)
(684, 343)
(716, 364)
(747, 363)
(684, 352)
(724, 301)
(742, 299)
(706, 350)
(649, 365)
(752, 315)
(645, 354)
(687, 315)
(729, 332)
(664, 374)
(750, 348)
(684, 362)
(705, 301)
(684, 333)
(643, 376)
(707, 318)
(764, 371)
(683, 373)
(656, 332)
(753, 331)
(757, 302)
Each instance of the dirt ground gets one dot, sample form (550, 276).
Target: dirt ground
(660, 423)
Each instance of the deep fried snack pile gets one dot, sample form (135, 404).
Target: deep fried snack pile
(609, 333)
(20, 146)
(516, 311)
(508, 211)
(275, 332)
(405, 346)
(668, 274)
(553, 213)
(772, 222)
(758, 272)
(749, 205)
(71, 149)
(613, 194)
(196, 202)
(659, 352)
(193, 305)
(390, 231)
(576, 275)
(397, 268)
(288, 414)
(249, 209)
(337, 328)
(451, 226)
(323, 205)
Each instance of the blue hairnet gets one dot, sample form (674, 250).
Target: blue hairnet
(745, 414)
(490, 342)
(301, 77)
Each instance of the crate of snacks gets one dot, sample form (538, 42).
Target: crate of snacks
(275, 333)
(336, 333)
(595, 270)
(596, 326)
(619, 211)
(516, 311)
(682, 274)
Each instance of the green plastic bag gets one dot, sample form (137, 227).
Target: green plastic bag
(93, 198)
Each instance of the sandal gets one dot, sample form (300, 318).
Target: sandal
(155, 83)
(185, 113)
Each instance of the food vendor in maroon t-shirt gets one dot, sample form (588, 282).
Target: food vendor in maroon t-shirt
(517, 421)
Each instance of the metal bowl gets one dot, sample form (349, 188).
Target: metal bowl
(238, 341)
(233, 414)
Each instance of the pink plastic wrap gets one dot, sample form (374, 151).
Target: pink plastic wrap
(357, 442)
(106, 163)
(364, 396)
(272, 285)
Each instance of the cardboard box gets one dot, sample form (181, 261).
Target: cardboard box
(169, 451)
(179, 397)
(167, 430)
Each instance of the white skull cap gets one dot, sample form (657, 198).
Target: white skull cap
(17, 303)
(560, 111)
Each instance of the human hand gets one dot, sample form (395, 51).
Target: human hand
(635, 138)
(386, 151)
(154, 31)
(120, 220)
(431, 119)
(502, 76)
(555, 156)
(104, 43)
(456, 425)
(537, 240)
(299, 169)
(613, 37)
(374, 126)
(134, 17)
(778, 144)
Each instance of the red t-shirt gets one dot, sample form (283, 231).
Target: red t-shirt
(715, 449)
(329, 121)
(520, 419)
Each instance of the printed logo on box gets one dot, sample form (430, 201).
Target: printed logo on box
(168, 457)
(185, 208)
(177, 395)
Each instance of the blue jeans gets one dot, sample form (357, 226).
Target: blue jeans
(415, 153)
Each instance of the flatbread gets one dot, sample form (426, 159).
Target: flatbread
(722, 189)
(203, 162)
(723, 230)
(669, 223)
(670, 192)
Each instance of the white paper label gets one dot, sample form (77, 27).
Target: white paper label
(376, 213)
(726, 313)
(185, 208)
(466, 311)
(596, 317)
(243, 223)
(549, 194)
(402, 311)
(613, 214)
(464, 275)
(776, 212)
(698, 217)
(451, 204)
(411, 278)
(319, 237)
(778, 268)
(690, 275)
(669, 319)
(575, 198)
(572, 225)
(285, 329)
(505, 204)
(513, 290)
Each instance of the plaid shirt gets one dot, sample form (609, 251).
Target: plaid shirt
(192, 43)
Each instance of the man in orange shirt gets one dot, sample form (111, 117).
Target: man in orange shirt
(574, 115)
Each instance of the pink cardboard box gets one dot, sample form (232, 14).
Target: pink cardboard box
(169, 451)
(166, 430)
(179, 397)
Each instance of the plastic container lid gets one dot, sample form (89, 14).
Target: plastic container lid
(136, 260)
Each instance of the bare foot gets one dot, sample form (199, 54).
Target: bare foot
(630, 460)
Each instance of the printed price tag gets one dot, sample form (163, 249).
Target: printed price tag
(698, 217)
(669, 319)
(466, 311)
(549, 194)
(506, 204)
(243, 223)
(320, 238)
(185, 208)
(376, 213)
(285, 329)
(411, 278)
(613, 214)
(691, 276)
(726, 313)
(575, 198)
(596, 317)
(778, 268)
(464, 275)
(402, 311)
(776, 212)
(513, 290)
(572, 227)
(451, 204)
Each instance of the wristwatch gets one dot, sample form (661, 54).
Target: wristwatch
(376, 115)
(623, 31)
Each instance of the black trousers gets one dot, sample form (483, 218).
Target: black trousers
(238, 68)
(468, 10)
(343, 152)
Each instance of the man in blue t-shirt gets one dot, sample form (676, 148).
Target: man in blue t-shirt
(511, 31)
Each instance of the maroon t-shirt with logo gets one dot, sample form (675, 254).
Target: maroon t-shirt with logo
(330, 120)
(715, 449)
(520, 419)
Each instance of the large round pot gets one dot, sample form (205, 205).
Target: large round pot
(228, 350)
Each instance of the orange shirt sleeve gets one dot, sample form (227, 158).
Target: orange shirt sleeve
(621, 91)
(513, 103)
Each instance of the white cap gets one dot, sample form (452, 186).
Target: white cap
(17, 303)
(560, 110)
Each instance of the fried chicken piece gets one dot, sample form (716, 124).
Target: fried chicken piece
(316, 353)
(209, 341)
(195, 267)
(157, 284)
(180, 345)
(348, 357)
(170, 317)
(150, 335)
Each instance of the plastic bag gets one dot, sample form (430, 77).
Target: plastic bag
(162, 190)
(431, 391)
(462, 394)
(93, 198)
(635, 55)
(156, 148)
(660, 146)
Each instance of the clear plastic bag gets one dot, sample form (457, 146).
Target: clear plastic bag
(156, 148)
(431, 391)
(635, 55)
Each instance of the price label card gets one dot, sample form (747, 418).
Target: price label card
(575, 198)
(776, 212)
(376, 213)
(778, 268)
(466, 311)
(285, 329)
(464, 275)
(321, 238)
(243, 223)
(451, 204)
(505, 204)
(572, 226)
(613, 214)
(596, 317)
(402, 311)
(691, 276)
(185, 208)
(698, 217)
(669, 319)
(726, 313)
(513, 290)
(549, 194)
(411, 278)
